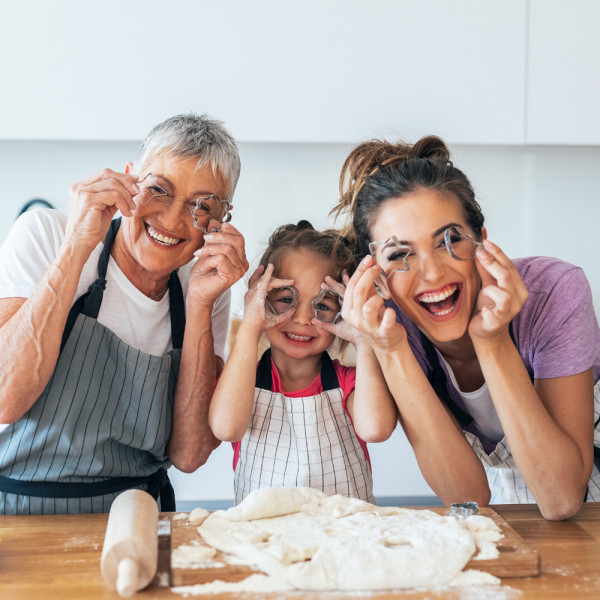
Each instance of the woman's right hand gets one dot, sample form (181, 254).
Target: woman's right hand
(256, 311)
(94, 202)
(365, 310)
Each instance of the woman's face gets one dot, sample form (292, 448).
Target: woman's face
(438, 293)
(161, 236)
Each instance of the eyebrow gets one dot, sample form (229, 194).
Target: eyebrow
(436, 232)
(195, 195)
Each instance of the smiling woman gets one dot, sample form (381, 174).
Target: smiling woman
(112, 331)
(493, 363)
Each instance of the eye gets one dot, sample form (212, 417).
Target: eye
(157, 190)
(398, 255)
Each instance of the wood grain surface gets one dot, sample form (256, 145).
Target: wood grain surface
(516, 559)
(57, 557)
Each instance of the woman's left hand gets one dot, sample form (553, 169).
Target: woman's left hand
(502, 293)
(221, 262)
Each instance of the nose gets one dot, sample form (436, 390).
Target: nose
(304, 313)
(431, 266)
(173, 214)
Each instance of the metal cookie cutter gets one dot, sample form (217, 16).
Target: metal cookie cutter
(464, 509)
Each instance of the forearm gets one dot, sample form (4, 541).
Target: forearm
(549, 458)
(445, 458)
(373, 412)
(30, 338)
(191, 441)
(233, 399)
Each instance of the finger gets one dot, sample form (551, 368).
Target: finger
(330, 327)
(279, 283)
(113, 189)
(333, 286)
(254, 277)
(363, 266)
(500, 298)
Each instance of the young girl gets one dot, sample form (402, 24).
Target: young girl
(294, 414)
(492, 362)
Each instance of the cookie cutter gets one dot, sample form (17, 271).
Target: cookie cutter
(462, 510)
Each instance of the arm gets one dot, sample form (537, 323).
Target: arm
(221, 262)
(233, 400)
(549, 425)
(445, 458)
(31, 329)
(370, 404)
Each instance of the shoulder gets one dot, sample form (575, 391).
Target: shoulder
(44, 223)
(540, 273)
(346, 375)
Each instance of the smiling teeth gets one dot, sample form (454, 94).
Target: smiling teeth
(429, 298)
(300, 338)
(159, 237)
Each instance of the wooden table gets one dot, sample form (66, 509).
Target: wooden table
(58, 558)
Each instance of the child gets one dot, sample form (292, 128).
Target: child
(294, 414)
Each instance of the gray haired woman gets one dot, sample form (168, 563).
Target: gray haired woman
(106, 325)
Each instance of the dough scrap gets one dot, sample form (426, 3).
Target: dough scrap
(312, 541)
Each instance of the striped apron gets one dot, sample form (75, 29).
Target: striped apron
(302, 442)
(102, 424)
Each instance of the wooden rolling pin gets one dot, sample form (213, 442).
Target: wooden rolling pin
(130, 552)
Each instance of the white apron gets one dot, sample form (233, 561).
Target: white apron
(302, 442)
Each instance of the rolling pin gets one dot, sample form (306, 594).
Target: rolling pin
(130, 551)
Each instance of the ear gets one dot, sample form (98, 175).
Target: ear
(483, 233)
(129, 168)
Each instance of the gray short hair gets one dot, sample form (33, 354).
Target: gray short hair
(190, 136)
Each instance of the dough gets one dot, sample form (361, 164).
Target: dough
(311, 541)
(197, 516)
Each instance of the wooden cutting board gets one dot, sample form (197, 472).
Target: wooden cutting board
(517, 558)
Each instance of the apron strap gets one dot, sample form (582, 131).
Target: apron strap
(437, 378)
(89, 303)
(264, 379)
(159, 486)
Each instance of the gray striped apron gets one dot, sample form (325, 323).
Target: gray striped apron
(302, 442)
(103, 421)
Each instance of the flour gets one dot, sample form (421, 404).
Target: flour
(306, 540)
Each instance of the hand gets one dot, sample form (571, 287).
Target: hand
(364, 309)
(502, 293)
(342, 329)
(94, 202)
(221, 262)
(256, 312)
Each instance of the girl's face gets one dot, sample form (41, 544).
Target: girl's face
(438, 293)
(298, 337)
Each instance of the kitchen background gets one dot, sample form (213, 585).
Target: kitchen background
(512, 86)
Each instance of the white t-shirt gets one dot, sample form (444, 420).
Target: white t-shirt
(481, 407)
(31, 247)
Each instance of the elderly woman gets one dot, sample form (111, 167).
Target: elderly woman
(108, 355)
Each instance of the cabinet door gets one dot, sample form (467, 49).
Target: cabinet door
(564, 73)
(299, 70)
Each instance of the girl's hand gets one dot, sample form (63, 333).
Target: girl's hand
(364, 309)
(342, 329)
(502, 293)
(256, 312)
(221, 262)
(94, 202)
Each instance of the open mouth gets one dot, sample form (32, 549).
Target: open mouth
(161, 239)
(440, 303)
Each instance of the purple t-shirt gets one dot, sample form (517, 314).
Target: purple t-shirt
(556, 330)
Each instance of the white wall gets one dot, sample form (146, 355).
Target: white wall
(537, 200)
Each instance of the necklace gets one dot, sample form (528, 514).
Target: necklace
(159, 295)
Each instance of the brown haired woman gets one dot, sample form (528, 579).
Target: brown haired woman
(492, 362)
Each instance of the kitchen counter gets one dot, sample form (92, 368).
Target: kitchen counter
(57, 557)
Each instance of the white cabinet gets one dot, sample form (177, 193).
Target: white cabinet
(336, 71)
(564, 73)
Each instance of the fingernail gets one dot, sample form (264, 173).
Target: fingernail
(366, 260)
